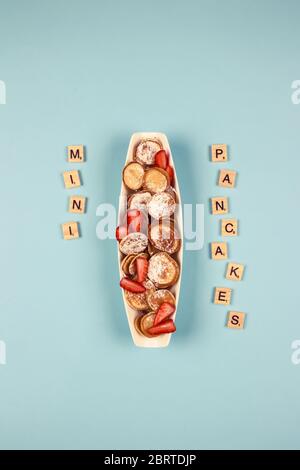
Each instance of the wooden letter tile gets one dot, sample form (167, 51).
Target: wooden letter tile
(219, 250)
(219, 153)
(236, 320)
(71, 179)
(77, 204)
(229, 227)
(222, 295)
(75, 153)
(219, 205)
(70, 230)
(235, 271)
(227, 178)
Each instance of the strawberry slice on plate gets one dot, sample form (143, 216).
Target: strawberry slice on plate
(121, 232)
(132, 214)
(170, 172)
(132, 286)
(135, 220)
(135, 225)
(165, 311)
(161, 159)
(141, 269)
(167, 326)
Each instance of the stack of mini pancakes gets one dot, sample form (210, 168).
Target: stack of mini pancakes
(149, 240)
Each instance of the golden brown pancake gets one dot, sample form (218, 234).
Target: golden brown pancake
(164, 237)
(139, 201)
(136, 301)
(146, 150)
(132, 265)
(162, 205)
(133, 175)
(133, 243)
(137, 324)
(126, 263)
(147, 322)
(158, 297)
(156, 180)
(163, 270)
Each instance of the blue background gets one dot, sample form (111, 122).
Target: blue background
(94, 72)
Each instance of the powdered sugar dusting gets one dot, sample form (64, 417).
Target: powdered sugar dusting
(161, 294)
(140, 201)
(161, 205)
(146, 150)
(136, 300)
(161, 269)
(164, 237)
(156, 298)
(133, 243)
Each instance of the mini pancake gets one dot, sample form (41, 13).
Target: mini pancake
(147, 322)
(163, 236)
(137, 324)
(139, 201)
(162, 205)
(126, 263)
(156, 180)
(132, 265)
(133, 243)
(146, 150)
(158, 297)
(133, 175)
(163, 270)
(136, 301)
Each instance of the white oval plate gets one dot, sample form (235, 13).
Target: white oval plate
(162, 340)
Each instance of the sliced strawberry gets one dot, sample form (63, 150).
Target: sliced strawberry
(132, 286)
(167, 326)
(141, 269)
(132, 214)
(135, 225)
(165, 311)
(170, 172)
(161, 159)
(134, 220)
(121, 232)
(137, 221)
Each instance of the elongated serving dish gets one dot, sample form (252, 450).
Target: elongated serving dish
(160, 214)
